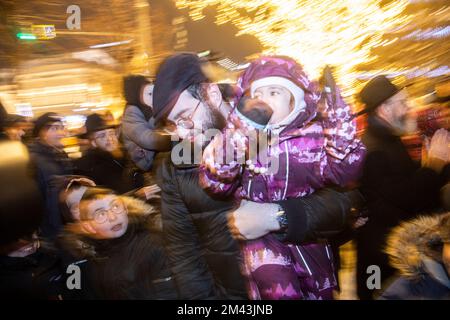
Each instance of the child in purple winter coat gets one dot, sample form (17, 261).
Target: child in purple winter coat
(312, 152)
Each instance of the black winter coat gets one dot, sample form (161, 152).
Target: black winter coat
(325, 214)
(202, 253)
(396, 189)
(204, 257)
(49, 162)
(37, 276)
(116, 174)
(134, 266)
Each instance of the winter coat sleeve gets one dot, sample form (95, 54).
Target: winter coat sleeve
(187, 263)
(142, 132)
(323, 214)
(344, 152)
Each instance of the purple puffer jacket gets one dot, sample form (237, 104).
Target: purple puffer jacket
(311, 153)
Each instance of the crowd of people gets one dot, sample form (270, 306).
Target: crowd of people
(157, 207)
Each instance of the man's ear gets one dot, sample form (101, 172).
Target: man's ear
(75, 214)
(42, 134)
(214, 95)
(383, 111)
(93, 143)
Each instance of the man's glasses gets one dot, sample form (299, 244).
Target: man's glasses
(117, 207)
(187, 123)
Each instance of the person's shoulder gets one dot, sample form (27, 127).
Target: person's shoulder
(37, 150)
(164, 169)
(44, 159)
(420, 288)
(400, 289)
(91, 165)
(376, 146)
(133, 112)
(372, 142)
(84, 159)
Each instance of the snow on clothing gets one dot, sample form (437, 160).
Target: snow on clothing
(312, 153)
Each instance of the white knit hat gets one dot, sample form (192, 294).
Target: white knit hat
(296, 91)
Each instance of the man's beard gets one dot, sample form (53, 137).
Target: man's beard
(405, 125)
(216, 120)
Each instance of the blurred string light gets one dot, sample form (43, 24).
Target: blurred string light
(26, 36)
(231, 65)
(316, 33)
(110, 44)
(408, 73)
(61, 89)
(432, 33)
(204, 53)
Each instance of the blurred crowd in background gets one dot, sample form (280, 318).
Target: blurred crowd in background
(94, 115)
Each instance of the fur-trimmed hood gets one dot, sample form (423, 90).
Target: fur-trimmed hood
(140, 215)
(415, 246)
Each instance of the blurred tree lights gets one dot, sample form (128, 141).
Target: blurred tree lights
(361, 38)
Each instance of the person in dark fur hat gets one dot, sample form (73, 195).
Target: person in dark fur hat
(420, 252)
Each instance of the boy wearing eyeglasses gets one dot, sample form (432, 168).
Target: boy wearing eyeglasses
(126, 257)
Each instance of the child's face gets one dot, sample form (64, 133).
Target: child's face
(105, 218)
(147, 94)
(278, 98)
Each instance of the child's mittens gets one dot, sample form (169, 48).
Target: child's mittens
(224, 151)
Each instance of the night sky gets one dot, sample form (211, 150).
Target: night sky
(206, 35)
